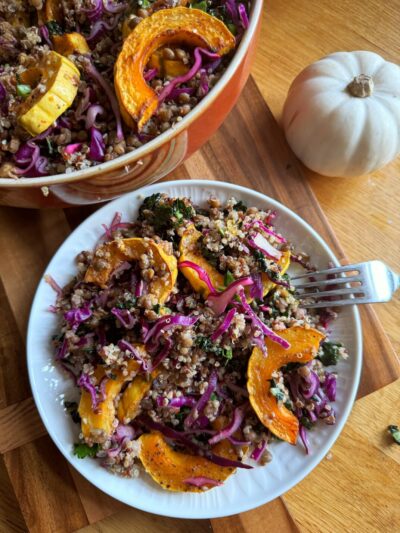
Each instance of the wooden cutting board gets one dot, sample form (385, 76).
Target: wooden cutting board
(39, 491)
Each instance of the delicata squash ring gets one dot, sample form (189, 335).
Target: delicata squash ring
(97, 425)
(115, 252)
(172, 469)
(193, 27)
(304, 344)
(60, 79)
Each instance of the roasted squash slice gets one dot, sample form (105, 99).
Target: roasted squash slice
(167, 67)
(189, 252)
(97, 425)
(192, 27)
(284, 263)
(53, 11)
(304, 344)
(114, 253)
(70, 43)
(170, 469)
(60, 79)
(129, 404)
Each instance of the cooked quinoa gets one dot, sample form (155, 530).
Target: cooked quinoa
(195, 368)
(89, 131)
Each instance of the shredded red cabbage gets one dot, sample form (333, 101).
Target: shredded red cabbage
(175, 93)
(231, 428)
(125, 346)
(259, 242)
(114, 226)
(45, 35)
(29, 154)
(97, 145)
(200, 405)
(244, 19)
(200, 272)
(70, 149)
(75, 317)
(89, 96)
(222, 328)
(259, 324)
(237, 442)
(258, 451)
(257, 289)
(139, 289)
(201, 481)
(167, 322)
(98, 29)
(329, 386)
(85, 383)
(311, 385)
(96, 76)
(150, 74)
(219, 301)
(100, 7)
(304, 439)
(53, 284)
(182, 401)
(165, 93)
(91, 115)
(62, 350)
(162, 354)
(125, 317)
(124, 431)
(265, 229)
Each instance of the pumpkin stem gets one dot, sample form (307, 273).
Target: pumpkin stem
(361, 86)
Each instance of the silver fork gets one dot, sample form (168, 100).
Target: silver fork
(371, 282)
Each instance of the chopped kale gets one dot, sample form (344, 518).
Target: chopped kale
(82, 450)
(395, 432)
(149, 204)
(330, 353)
(212, 257)
(200, 5)
(306, 422)
(144, 3)
(213, 397)
(156, 308)
(262, 262)
(54, 28)
(165, 215)
(72, 410)
(208, 346)
(240, 206)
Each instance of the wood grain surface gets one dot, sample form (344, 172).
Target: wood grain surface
(38, 490)
(364, 212)
(369, 491)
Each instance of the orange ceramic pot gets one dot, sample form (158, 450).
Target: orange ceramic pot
(150, 162)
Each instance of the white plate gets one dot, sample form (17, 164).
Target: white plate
(247, 488)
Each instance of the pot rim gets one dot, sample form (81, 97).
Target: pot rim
(139, 153)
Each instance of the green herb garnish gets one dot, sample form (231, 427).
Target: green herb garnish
(200, 5)
(72, 409)
(23, 90)
(278, 393)
(54, 28)
(262, 262)
(126, 304)
(213, 397)
(228, 278)
(82, 450)
(395, 432)
(330, 353)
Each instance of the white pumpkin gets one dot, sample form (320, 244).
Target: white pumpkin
(342, 114)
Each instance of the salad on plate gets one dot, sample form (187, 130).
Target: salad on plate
(191, 353)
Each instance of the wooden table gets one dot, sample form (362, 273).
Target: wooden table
(294, 34)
